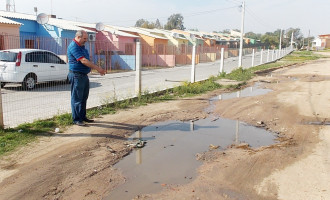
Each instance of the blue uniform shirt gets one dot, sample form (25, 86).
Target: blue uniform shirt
(75, 54)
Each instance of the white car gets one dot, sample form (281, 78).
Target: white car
(29, 66)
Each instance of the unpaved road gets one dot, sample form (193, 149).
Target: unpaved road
(78, 163)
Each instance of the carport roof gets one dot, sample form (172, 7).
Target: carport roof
(61, 23)
(8, 21)
(18, 15)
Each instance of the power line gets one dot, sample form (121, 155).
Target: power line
(258, 19)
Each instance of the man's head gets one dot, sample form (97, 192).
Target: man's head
(81, 37)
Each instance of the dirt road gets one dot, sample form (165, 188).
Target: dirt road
(78, 163)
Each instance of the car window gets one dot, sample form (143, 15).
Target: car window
(8, 56)
(52, 58)
(37, 56)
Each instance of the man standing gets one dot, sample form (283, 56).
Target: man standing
(79, 67)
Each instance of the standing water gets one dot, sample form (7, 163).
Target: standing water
(169, 156)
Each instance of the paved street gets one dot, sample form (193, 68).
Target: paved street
(47, 101)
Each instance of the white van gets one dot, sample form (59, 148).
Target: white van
(29, 66)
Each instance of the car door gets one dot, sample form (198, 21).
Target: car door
(36, 63)
(59, 67)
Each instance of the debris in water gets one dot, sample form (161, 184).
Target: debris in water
(214, 146)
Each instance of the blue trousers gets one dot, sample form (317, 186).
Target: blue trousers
(79, 95)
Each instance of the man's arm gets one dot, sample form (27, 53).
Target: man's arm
(89, 64)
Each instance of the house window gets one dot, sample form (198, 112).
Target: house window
(129, 49)
(29, 44)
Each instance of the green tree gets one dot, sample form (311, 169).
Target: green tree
(140, 22)
(194, 29)
(175, 21)
(256, 36)
(226, 31)
(297, 37)
(270, 40)
(158, 24)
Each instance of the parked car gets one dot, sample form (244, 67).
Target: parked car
(31, 66)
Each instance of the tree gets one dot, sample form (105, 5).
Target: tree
(140, 22)
(256, 36)
(194, 29)
(226, 31)
(175, 21)
(297, 37)
(270, 40)
(158, 24)
(146, 24)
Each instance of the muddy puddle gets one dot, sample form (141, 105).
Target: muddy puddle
(169, 155)
(254, 90)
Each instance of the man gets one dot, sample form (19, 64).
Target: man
(79, 67)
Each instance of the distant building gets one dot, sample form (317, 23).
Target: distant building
(317, 44)
(325, 41)
(8, 28)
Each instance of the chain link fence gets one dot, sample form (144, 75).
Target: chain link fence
(34, 75)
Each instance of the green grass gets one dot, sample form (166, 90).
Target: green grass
(241, 74)
(11, 139)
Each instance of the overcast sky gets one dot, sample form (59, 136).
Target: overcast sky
(213, 15)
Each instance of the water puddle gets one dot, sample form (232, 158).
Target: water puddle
(169, 156)
(323, 123)
(246, 92)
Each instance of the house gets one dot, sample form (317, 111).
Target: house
(54, 36)
(176, 40)
(114, 49)
(153, 47)
(9, 28)
(317, 44)
(325, 40)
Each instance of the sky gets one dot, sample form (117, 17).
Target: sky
(213, 15)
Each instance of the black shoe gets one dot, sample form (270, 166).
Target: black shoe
(79, 123)
(89, 120)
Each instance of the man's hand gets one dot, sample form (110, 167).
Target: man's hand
(93, 66)
(101, 71)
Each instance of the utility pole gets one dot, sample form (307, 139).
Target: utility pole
(241, 40)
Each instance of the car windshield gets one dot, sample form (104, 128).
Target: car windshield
(8, 56)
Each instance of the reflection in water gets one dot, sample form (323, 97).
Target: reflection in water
(237, 131)
(138, 152)
(169, 156)
(192, 126)
(247, 92)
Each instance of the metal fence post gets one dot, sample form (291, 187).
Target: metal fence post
(261, 55)
(222, 60)
(252, 58)
(1, 111)
(268, 55)
(138, 66)
(193, 67)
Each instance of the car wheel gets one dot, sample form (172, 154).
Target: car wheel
(3, 84)
(29, 82)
